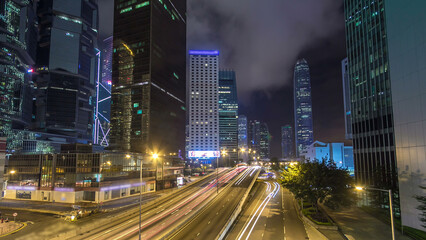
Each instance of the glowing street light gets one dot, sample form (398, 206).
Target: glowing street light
(12, 172)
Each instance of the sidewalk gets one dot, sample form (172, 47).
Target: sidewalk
(7, 228)
(357, 224)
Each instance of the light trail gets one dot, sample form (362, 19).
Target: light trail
(190, 203)
(260, 209)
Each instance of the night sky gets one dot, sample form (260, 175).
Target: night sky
(261, 41)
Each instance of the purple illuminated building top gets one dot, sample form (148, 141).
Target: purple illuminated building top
(203, 52)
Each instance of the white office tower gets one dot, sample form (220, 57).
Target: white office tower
(203, 105)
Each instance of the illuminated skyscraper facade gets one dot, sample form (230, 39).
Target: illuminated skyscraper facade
(287, 141)
(242, 132)
(385, 47)
(149, 76)
(303, 128)
(242, 137)
(203, 105)
(253, 135)
(67, 67)
(264, 143)
(228, 114)
(18, 41)
(103, 96)
(370, 89)
(346, 99)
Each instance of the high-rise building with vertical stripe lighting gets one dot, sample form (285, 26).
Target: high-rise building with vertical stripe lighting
(303, 126)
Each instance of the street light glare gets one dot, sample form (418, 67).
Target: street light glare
(359, 188)
(13, 171)
(155, 156)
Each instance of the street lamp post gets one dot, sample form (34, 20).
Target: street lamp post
(217, 175)
(390, 205)
(140, 193)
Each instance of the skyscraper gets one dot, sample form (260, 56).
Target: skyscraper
(103, 96)
(346, 99)
(67, 67)
(18, 40)
(148, 76)
(253, 135)
(264, 143)
(303, 128)
(228, 114)
(203, 104)
(287, 141)
(242, 132)
(371, 98)
(405, 23)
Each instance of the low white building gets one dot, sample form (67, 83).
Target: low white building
(341, 155)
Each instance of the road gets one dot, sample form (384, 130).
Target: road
(164, 215)
(270, 214)
(48, 225)
(211, 220)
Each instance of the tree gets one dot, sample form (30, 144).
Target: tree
(422, 207)
(319, 182)
(275, 164)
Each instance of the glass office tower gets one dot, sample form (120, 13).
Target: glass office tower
(303, 128)
(67, 67)
(264, 143)
(148, 76)
(371, 98)
(346, 99)
(18, 41)
(287, 141)
(228, 114)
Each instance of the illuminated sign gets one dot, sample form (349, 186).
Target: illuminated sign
(203, 52)
(204, 154)
(21, 188)
(180, 181)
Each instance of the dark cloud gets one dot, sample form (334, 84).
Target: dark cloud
(261, 40)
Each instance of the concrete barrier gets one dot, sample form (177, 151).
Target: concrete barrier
(237, 211)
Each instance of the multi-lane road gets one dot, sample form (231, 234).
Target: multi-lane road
(210, 221)
(162, 218)
(270, 214)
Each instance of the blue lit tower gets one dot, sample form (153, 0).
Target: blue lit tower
(228, 114)
(18, 41)
(302, 107)
(103, 97)
(67, 67)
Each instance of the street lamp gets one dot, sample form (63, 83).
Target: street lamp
(390, 204)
